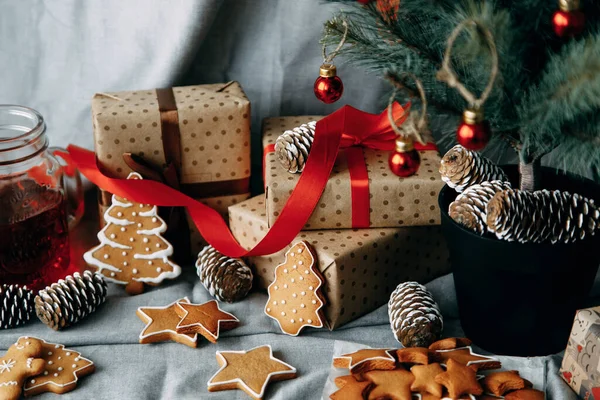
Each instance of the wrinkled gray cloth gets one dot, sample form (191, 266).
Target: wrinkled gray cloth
(128, 370)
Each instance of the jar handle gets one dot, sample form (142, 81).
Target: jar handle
(72, 184)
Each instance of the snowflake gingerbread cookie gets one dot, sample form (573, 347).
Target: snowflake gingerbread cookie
(295, 297)
(132, 251)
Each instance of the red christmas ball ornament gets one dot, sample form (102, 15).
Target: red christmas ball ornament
(328, 86)
(568, 21)
(474, 132)
(405, 160)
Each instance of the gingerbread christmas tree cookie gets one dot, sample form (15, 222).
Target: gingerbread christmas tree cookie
(21, 361)
(295, 297)
(63, 369)
(206, 319)
(161, 324)
(250, 371)
(132, 251)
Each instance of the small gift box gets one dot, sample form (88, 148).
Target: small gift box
(391, 201)
(581, 363)
(361, 267)
(198, 134)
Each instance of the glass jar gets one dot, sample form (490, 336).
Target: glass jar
(41, 196)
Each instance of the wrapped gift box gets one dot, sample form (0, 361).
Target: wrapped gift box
(361, 267)
(394, 201)
(203, 130)
(581, 362)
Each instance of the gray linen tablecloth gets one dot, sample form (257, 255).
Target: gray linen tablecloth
(128, 370)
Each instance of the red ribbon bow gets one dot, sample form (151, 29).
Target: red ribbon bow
(302, 202)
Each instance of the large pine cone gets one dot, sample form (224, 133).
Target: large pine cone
(292, 146)
(16, 306)
(469, 208)
(414, 316)
(461, 168)
(66, 302)
(542, 216)
(227, 279)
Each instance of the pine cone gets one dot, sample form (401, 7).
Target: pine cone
(66, 302)
(414, 315)
(461, 168)
(227, 279)
(470, 206)
(542, 216)
(292, 146)
(16, 306)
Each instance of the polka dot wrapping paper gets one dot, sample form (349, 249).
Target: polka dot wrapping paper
(361, 267)
(394, 201)
(214, 126)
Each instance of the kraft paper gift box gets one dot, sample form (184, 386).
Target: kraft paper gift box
(581, 363)
(394, 201)
(203, 130)
(361, 267)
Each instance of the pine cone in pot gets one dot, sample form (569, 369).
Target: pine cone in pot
(292, 146)
(415, 317)
(227, 279)
(71, 299)
(16, 306)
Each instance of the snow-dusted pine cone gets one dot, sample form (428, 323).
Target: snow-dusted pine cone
(292, 146)
(227, 279)
(16, 306)
(542, 216)
(469, 208)
(414, 316)
(66, 302)
(461, 168)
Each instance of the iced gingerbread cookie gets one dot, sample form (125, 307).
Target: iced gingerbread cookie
(365, 360)
(250, 371)
(21, 361)
(63, 369)
(207, 319)
(132, 251)
(295, 297)
(161, 324)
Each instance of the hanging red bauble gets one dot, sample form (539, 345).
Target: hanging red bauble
(405, 160)
(568, 21)
(328, 86)
(474, 132)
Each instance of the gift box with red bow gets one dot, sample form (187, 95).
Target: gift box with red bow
(362, 191)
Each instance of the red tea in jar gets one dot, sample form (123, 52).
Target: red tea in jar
(34, 240)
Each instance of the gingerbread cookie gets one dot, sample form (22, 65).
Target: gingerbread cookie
(161, 324)
(21, 361)
(501, 382)
(132, 251)
(366, 360)
(295, 298)
(465, 356)
(459, 379)
(63, 369)
(450, 343)
(425, 379)
(393, 384)
(206, 319)
(525, 394)
(249, 371)
(413, 355)
(352, 389)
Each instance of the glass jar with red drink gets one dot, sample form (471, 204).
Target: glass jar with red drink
(40, 197)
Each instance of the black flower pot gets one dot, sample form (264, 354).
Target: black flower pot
(520, 299)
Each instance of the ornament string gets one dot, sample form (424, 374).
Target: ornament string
(328, 59)
(446, 73)
(412, 126)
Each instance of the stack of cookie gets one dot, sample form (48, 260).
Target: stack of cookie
(447, 369)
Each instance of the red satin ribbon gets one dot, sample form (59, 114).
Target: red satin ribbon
(296, 212)
(270, 148)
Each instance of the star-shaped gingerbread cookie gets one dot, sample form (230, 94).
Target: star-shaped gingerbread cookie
(459, 379)
(161, 324)
(393, 385)
(365, 360)
(425, 379)
(351, 389)
(63, 369)
(466, 356)
(206, 319)
(249, 371)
